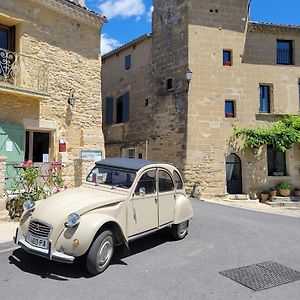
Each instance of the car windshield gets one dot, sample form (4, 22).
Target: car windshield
(111, 176)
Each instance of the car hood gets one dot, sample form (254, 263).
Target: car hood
(57, 207)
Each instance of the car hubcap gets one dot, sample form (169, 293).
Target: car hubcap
(182, 228)
(105, 252)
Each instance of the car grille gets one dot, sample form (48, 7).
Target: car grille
(39, 229)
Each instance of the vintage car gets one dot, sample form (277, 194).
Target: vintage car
(121, 200)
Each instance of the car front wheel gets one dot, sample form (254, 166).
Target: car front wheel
(100, 253)
(179, 231)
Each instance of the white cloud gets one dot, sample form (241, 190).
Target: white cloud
(149, 14)
(122, 8)
(108, 44)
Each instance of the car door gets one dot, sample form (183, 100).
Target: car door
(166, 199)
(143, 207)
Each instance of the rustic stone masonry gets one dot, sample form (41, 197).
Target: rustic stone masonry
(186, 125)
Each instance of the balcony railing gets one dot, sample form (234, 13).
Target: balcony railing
(284, 57)
(23, 71)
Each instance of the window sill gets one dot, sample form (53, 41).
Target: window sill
(281, 177)
(268, 116)
(118, 125)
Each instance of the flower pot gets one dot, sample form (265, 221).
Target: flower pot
(272, 194)
(297, 193)
(264, 197)
(285, 192)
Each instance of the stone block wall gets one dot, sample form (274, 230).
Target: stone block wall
(2, 181)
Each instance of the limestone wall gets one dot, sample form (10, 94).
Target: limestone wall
(70, 47)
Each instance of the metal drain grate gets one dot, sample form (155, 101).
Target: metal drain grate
(262, 276)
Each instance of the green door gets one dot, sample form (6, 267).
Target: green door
(11, 146)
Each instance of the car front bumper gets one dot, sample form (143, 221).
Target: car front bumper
(46, 253)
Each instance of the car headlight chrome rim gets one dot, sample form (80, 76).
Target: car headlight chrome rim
(73, 220)
(28, 205)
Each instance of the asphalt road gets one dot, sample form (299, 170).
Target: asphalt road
(220, 238)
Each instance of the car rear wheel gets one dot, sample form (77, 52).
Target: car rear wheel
(100, 253)
(179, 231)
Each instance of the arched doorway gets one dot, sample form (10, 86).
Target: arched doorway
(234, 174)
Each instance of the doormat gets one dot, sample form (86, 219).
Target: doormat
(263, 275)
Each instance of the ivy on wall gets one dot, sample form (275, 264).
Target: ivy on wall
(282, 135)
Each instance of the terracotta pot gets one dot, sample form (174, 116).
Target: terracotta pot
(285, 192)
(264, 197)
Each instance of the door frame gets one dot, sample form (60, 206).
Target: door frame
(236, 162)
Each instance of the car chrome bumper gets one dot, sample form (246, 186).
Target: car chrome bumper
(46, 253)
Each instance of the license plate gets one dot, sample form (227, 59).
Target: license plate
(37, 241)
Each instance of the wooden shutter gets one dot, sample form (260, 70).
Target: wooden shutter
(126, 107)
(109, 111)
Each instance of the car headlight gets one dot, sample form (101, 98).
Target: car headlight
(28, 205)
(73, 220)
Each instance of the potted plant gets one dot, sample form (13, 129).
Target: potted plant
(272, 193)
(264, 195)
(284, 189)
(297, 192)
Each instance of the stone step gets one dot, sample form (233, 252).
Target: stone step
(286, 199)
(285, 204)
(238, 197)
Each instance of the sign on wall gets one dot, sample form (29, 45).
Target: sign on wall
(91, 155)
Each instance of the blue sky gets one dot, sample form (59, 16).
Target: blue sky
(129, 19)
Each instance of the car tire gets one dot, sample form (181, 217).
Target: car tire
(179, 231)
(100, 252)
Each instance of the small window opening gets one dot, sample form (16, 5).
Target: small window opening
(229, 109)
(169, 83)
(227, 58)
(146, 102)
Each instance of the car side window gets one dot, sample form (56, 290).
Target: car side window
(178, 181)
(148, 182)
(165, 182)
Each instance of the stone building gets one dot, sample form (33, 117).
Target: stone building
(243, 72)
(50, 85)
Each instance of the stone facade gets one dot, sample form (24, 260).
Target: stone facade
(187, 125)
(57, 45)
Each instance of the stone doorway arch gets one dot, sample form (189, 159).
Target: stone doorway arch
(234, 178)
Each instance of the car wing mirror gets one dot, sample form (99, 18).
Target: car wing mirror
(142, 191)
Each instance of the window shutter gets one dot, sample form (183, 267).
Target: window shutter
(109, 111)
(126, 107)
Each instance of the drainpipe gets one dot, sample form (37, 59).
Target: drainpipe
(146, 149)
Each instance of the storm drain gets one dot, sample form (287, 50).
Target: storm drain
(262, 276)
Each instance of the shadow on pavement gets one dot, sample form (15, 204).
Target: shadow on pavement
(62, 272)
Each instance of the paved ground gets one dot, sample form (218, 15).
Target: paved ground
(220, 238)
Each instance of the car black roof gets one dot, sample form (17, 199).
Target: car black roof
(125, 163)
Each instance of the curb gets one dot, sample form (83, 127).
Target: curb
(7, 246)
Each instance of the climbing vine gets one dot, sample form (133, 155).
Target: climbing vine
(282, 135)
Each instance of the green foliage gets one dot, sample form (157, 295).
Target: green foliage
(36, 186)
(284, 186)
(282, 135)
(265, 192)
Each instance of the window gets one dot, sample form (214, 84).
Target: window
(229, 109)
(178, 181)
(284, 52)
(264, 105)
(165, 182)
(227, 60)
(169, 84)
(128, 153)
(127, 62)
(37, 146)
(121, 110)
(146, 102)
(276, 162)
(148, 182)
(7, 38)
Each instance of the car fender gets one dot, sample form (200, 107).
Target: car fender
(183, 209)
(86, 231)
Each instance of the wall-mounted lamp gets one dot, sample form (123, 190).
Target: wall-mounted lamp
(255, 151)
(71, 98)
(188, 76)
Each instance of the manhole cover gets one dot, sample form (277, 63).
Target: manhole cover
(262, 276)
